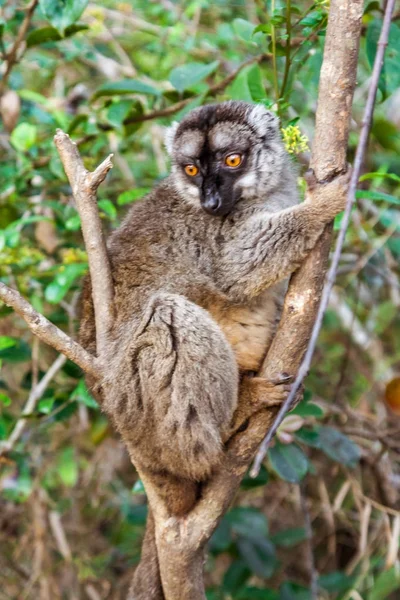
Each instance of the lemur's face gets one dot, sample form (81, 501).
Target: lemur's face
(223, 153)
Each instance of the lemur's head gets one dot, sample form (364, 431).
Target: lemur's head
(224, 153)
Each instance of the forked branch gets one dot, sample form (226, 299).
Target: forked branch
(84, 188)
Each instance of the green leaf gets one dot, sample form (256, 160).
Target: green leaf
(293, 591)
(289, 461)
(19, 352)
(4, 399)
(125, 86)
(6, 342)
(386, 583)
(308, 436)
(73, 223)
(308, 409)
(23, 136)
(378, 175)
(51, 34)
(131, 195)
(313, 19)
(258, 555)
(81, 394)
(62, 13)
(42, 35)
(118, 112)
(338, 446)
(45, 405)
(336, 582)
(264, 27)
(236, 575)
(248, 522)
(222, 537)
(254, 81)
(62, 282)
(185, 76)
(239, 89)
(288, 538)
(136, 515)
(377, 195)
(389, 79)
(67, 468)
(108, 208)
(244, 29)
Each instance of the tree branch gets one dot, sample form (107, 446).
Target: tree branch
(84, 187)
(328, 158)
(12, 56)
(49, 333)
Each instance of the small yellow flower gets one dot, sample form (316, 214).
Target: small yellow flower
(73, 255)
(295, 142)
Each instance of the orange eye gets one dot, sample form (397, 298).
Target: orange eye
(191, 170)
(233, 160)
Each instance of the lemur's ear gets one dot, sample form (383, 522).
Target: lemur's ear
(170, 136)
(264, 121)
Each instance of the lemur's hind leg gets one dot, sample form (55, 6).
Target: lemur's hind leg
(174, 393)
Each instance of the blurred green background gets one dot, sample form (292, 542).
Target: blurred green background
(113, 75)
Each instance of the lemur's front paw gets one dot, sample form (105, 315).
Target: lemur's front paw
(264, 392)
(332, 195)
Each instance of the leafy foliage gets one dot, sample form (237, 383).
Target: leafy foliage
(113, 75)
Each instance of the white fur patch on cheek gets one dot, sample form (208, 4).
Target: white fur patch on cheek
(247, 184)
(189, 193)
(249, 180)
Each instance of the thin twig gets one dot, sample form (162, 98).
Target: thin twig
(35, 395)
(358, 161)
(48, 332)
(287, 48)
(12, 55)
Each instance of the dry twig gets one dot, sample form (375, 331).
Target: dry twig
(12, 57)
(35, 395)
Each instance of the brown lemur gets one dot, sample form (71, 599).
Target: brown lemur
(200, 269)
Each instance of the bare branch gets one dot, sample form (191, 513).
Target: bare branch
(327, 163)
(84, 187)
(49, 333)
(35, 395)
(12, 55)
